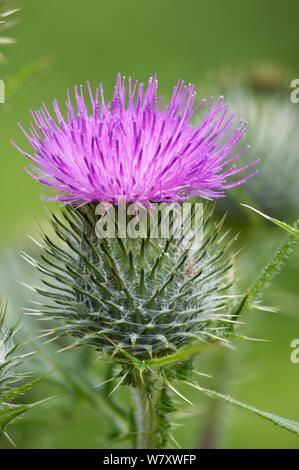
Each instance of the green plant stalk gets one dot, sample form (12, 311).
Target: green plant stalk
(145, 415)
(210, 437)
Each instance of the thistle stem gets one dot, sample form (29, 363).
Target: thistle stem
(145, 415)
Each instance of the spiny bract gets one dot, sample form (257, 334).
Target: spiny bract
(10, 375)
(146, 296)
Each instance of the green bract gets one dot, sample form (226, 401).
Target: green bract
(147, 296)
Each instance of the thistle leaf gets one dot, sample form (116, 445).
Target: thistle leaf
(293, 230)
(10, 360)
(266, 275)
(287, 424)
(10, 413)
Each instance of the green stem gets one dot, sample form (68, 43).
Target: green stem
(212, 433)
(145, 415)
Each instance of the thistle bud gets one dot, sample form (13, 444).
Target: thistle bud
(147, 296)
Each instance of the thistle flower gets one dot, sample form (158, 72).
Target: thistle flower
(136, 299)
(149, 304)
(130, 147)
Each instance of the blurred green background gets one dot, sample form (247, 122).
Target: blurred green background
(215, 45)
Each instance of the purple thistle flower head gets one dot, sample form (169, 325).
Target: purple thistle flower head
(132, 149)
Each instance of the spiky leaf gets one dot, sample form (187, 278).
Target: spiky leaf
(10, 377)
(287, 424)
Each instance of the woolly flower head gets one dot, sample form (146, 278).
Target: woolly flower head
(131, 148)
(273, 130)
